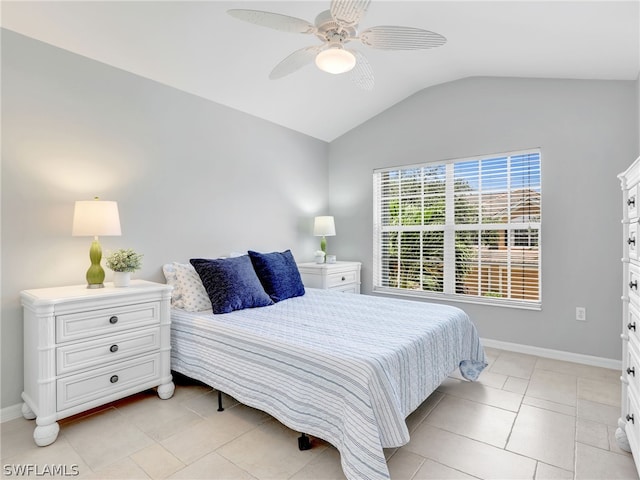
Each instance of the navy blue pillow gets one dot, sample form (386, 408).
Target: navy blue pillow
(231, 283)
(278, 274)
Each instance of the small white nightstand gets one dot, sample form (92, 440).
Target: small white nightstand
(340, 276)
(87, 347)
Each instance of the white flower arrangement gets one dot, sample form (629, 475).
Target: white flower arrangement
(319, 253)
(124, 260)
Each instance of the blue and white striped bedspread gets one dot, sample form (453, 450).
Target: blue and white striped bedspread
(345, 368)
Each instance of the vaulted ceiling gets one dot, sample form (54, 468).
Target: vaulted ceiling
(197, 47)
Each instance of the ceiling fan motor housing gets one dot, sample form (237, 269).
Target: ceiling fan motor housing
(329, 31)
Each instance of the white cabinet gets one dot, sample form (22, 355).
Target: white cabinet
(628, 433)
(86, 347)
(340, 276)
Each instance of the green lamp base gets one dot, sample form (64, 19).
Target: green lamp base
(95, 274)
(323, 246)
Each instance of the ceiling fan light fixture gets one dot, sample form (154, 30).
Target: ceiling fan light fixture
(335, 60)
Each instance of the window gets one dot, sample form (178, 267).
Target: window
(464, 229)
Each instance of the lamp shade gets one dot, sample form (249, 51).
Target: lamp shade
(92, 218)
(324, 226)
(335, 60)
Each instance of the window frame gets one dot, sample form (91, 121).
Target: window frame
(450, 229)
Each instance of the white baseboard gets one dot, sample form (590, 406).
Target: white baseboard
(15, 411)
(554, 354)
(10, 413)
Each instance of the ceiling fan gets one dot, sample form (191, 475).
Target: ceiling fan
(337, 27)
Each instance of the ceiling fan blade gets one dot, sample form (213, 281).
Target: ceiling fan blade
(348, 13)
(273, 20)
(390, 37)
(295, 61)
(362, 74)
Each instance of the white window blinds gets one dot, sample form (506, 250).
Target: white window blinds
(464, 228)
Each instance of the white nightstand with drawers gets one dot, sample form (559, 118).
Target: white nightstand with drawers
(340, 276)
(87, 347)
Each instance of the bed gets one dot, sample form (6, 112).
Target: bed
(342, 367)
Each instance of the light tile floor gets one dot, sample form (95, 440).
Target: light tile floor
(527, 417)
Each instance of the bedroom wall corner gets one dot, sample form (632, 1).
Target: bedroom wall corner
(192, 178)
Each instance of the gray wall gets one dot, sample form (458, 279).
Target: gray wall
(192, 178)
(638, 103)
(587, 132)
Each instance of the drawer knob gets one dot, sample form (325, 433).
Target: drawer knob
(113, 379)
(631, 326)
(344, 278)
(631, 201)
(633, 285)
(114, 348)
(631, 241)
(631, 371)
(629, 418)
(113, 320)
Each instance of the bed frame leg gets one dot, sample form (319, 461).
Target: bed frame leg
(220, 409)
(304, 443)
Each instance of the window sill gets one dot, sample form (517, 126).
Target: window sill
(443, 297)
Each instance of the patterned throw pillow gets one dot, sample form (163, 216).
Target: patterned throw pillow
(232, 283)
(278, 274)
(170, 275)
(193, 295)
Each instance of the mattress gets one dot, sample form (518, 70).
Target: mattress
(342, 367)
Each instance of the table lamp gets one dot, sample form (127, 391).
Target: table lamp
(324, 226)
(92, 218)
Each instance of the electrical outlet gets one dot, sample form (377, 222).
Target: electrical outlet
(581, 314)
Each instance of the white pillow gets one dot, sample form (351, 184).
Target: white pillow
(192, 293)
(171, 276)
